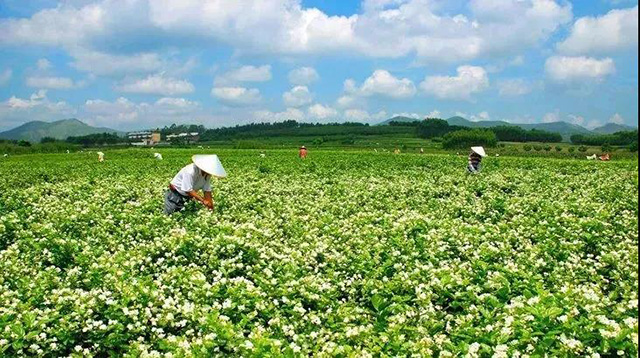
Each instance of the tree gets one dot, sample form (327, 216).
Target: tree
(434, 127)
(468, 138)
(48, 140)
(96, 139)
(618, 138)
(24, 143)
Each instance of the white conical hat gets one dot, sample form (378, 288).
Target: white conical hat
(479, 150)
(210, 164)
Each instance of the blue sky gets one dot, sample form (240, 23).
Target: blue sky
(143, 64)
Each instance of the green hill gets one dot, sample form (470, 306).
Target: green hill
(35, 130)
(462, 122)
(611, 128)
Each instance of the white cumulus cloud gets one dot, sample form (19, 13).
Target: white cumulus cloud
(50, 82)
(245, 74)
(104, 64)
(469, 80)
(288, 114)
(617, 119)
(551, 117)
(513, 87)
(158, 84)
(360, 115)
(395, 29)
(613, 32)
(43, 64)
(237, 96)
(298, 96)
(38, 106)
(320, 112)
(303, 76)
(571, 69)
(382, 83)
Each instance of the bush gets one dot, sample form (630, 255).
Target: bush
(558, 148)
(24, 143)
(48, 140)
(547, 148)
(606, 147)
(437, 139)
(502, 145)
(349, 140)
(537, 147)
(527, 148)
(318, 141)
(633, 147)
(582, 148)
(571, 149)
(469, 138)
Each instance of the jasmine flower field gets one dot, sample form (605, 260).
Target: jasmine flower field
(346, 254)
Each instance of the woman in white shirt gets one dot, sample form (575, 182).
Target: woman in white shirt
(190, 179)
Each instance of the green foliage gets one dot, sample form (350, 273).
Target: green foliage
(618, 138)
(345, 254)
(24, 143)
(527, 147)
(572, 149)
(547, 148)
(558, 148)
(468, 138)
(518, 134)
(582, 148)
(181, 128)
(292, 128)
(537, 147)
(434, 127)
(633, 147)
(97, 139)
(48, 140)
(606, 147)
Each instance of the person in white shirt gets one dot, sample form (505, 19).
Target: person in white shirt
(190, 179)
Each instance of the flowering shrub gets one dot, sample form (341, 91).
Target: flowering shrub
(345, 254)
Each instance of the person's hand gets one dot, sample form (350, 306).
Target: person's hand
(208, 204)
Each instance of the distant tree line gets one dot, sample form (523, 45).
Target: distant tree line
(182, 128)
(618, 138)
(434, 127)
(97, 139)
(292, 128)
(466, 138)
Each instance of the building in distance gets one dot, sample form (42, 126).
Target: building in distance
(143, 138)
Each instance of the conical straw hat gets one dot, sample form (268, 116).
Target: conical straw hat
(210, 164)
(479, 150)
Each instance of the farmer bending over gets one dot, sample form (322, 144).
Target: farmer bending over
(190, 179)
(303, 152)
(475, 158)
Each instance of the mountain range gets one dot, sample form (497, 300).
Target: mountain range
(564, 128)
(35, 130)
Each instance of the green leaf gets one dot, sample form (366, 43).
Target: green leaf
(378, 302)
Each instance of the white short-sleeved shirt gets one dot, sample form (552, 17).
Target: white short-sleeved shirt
(190, 178)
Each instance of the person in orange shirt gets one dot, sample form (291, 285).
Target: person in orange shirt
(303, 152)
